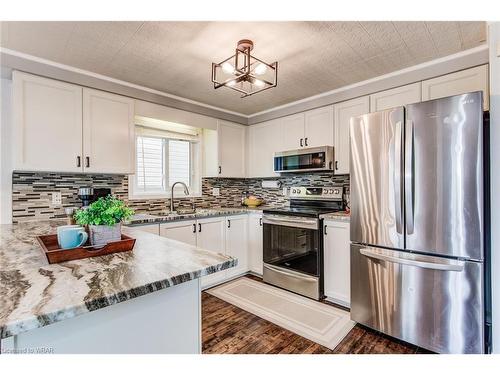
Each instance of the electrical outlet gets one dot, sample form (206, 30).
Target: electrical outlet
(285, 191)
(215, 192)
(56, 198)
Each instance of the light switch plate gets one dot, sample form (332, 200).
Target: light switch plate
(215, 192)
(56, 198)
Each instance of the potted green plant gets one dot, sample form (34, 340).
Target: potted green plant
(103, 218)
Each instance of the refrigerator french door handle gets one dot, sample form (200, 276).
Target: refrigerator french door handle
(409, 176)
(451, 265)
(398, 181)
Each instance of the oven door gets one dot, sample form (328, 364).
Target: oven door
(293, 243)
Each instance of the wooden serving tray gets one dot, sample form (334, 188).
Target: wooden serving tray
(55, 254)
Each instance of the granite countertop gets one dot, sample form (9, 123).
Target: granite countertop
(35, 294)
(339, 216)
(152, 218)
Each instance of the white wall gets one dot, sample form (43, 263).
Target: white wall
(494, 43)
(155, 111)
(5, 152)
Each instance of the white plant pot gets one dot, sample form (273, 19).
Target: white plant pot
(100, 235)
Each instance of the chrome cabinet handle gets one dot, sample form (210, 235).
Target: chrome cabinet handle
(260, 221)
(228, 223)
(199, 227)
(305, 140)
(194, 228)
(409, 177)
(325, 230)
(336, 165)
(87, 162)
(448, 265)
(398, 181)
(220, 169)
(78, 161)
(301, 144)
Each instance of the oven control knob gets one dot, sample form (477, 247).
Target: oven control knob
(294, 191)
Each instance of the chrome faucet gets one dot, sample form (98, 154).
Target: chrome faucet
(186, 191)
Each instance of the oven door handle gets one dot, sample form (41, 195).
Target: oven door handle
(294, 222)
(289, 272)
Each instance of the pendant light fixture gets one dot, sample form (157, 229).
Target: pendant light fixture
(244, 72)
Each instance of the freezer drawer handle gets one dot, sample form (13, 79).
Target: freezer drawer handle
(455, 266)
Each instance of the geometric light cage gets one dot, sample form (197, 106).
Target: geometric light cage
(244, 72)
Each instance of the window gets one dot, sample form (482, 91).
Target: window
(163, 158)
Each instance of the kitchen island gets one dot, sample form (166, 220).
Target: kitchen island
(143, 301)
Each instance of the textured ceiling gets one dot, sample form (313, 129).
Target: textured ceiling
(176, 57)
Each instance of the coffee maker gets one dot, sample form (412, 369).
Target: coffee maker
(89, 195)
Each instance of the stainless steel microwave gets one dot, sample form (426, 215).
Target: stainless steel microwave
(314, 159)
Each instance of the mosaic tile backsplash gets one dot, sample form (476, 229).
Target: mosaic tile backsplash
(32, 200)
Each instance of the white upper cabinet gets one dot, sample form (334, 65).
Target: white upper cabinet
(308, 129)
(293, 132)
(66, 128)
(47, 124)
(264, 140)
(231, 149)
(396, 97)
(468, 80)
(319, 127)
(236, 243)
(342, 117)
(108, 132)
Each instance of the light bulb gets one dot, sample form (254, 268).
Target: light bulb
(258, 83)
(231, 83)
(227, 68)
(260, 69)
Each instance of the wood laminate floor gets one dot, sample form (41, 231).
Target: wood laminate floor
(229, 329)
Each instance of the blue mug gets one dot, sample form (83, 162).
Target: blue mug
(70, 236)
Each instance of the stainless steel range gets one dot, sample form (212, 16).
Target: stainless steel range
(293, 239)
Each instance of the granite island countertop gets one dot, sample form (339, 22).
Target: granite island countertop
(35, 294)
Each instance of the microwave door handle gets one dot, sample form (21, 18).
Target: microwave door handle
(409, 177)
(451, 265)
(398, 181)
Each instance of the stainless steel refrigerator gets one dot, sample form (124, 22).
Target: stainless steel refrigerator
(417, 223)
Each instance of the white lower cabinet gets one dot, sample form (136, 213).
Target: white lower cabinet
(337, 262)
(255, 243)
(149, 228)
(183, 231)
(211, 236)
(237, 243)
(230, 235)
